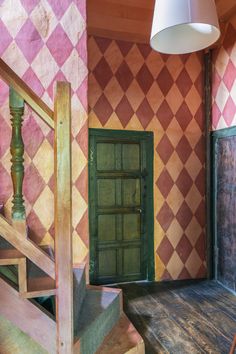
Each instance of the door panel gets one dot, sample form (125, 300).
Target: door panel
(119, 198)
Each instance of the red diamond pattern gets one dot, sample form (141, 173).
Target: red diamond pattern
(184, 215)
(102, 73)
(165, 183)
(103, 109)
(184, 248)
(165, 114)
(184, 182)
(144, 78)
(165, 216)
(124, 111)
(184, 82)
(124, 76)
(184, 116)
(145, 113)
(165, 250)
(184, 149)
(165, 149)
(165, 81)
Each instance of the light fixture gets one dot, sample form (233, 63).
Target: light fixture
(184, 26)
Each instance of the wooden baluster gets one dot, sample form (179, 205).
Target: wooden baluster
(17, 152)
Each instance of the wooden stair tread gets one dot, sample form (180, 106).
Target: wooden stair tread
(10, 256)
(123, 339)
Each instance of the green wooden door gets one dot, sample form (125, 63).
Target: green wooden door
(120, 206)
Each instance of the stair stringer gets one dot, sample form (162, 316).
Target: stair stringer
(28, 317)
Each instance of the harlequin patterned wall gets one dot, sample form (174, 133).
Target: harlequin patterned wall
(44, 41)
(224, 83)
(131, 87)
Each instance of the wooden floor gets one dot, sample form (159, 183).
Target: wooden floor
(182, 318)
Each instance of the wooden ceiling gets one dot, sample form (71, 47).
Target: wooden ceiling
(131, 19)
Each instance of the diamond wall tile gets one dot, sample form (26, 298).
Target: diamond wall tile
(165, 81)
(124, 76)
(145, 113)
(57, 40)
(144, 78)
(165, 149)
(124, 111)
(29, 41)
(102, 73)
(26, 26)
(224, 88)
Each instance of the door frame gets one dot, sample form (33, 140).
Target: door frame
(131, 135)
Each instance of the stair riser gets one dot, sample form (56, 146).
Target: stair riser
(92, 338)
(79, 292)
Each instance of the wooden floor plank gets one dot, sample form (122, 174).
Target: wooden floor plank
(182, 317)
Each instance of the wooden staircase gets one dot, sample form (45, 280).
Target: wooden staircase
(83, 319)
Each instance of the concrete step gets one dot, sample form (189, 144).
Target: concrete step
(99, 314)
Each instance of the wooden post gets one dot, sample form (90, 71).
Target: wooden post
(63, 223)
(17, 152)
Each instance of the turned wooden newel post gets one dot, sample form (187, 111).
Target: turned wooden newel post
(17, 152)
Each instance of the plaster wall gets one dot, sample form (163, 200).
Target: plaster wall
(224, 80)
(133, 88)
(44, 41)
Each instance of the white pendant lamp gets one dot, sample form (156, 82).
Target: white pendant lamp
(184, 26)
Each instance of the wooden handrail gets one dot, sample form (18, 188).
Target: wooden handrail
(14, 81)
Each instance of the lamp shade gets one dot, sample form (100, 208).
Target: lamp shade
(184, 26)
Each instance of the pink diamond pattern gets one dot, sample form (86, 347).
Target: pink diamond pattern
(5, 38)
(147, 69)
(32, 135)
(40, 42)
(59, 7)
(224, 63)
(29, 41)
(29, 5)
(6, 133)
(56, 42)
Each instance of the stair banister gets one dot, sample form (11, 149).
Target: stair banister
(15, 82)
(60, 121)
